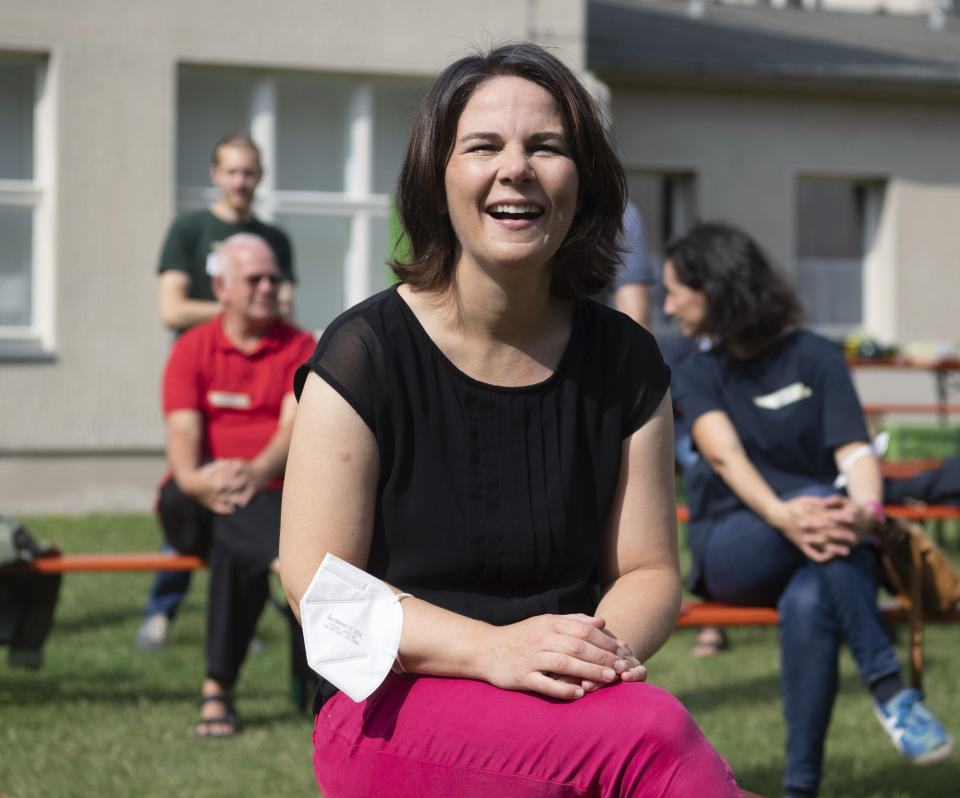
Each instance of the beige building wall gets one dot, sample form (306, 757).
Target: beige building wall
(111, 84)
(769, 141)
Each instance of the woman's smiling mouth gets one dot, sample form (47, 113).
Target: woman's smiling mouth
(514, 210)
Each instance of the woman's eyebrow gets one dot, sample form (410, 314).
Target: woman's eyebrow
(549, 135)
(479, 135)
(545, 136)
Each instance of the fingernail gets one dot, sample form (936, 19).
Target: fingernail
(620, 666)
(579, 693)
(608, 675)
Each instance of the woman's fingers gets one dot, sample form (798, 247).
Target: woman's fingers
(554, 687)
(635, 673)
(543, 652)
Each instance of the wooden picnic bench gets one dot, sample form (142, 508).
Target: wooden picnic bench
(693, 613)
(120, 561)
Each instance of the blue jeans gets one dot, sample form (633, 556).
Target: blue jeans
(169, 589)
(748, 562)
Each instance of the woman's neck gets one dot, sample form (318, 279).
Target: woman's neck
(511, 334)
(748, 351)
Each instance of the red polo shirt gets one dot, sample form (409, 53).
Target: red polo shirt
(237, 394)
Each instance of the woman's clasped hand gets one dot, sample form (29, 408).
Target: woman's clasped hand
(561, 656)
(824, 527)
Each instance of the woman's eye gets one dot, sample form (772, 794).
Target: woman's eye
(553, 149)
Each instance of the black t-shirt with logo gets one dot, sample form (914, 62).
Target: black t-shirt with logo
(791, 405)
(193, 236)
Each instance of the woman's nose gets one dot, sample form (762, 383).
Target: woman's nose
(515, 167)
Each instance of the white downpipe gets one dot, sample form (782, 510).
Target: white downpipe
(358, 180)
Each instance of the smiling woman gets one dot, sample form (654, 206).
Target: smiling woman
(492, 446)
(510, 183)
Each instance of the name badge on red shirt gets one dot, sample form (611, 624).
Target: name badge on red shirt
(233, 401)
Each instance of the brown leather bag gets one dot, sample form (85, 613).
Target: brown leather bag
(905, 548)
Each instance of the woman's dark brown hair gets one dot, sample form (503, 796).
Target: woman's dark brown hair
(588, 257)
(749, 302)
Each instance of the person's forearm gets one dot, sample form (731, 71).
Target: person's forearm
(184, 313)
(865, 480)
(183, 459)
(438, 642)
(641, 608)
(741, 476)
(269, 462)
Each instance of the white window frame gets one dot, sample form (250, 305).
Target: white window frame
(357, 202)
(36, 340)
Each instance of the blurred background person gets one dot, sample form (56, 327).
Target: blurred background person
(186, 298)
(229, 407)
(774, 416)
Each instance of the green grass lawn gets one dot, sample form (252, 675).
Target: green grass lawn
(103, 719)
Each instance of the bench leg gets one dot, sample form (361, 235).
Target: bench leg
(916, 616)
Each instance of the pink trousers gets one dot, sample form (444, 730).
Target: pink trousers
(426, 737)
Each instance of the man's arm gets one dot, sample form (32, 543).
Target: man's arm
(272, 458)
(213, 485)
(634, 300)
(178, 311)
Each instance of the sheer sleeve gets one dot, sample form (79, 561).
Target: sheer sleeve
(349, 358)
(653, 384)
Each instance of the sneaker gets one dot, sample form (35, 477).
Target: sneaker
(914, 729)
(152, 635)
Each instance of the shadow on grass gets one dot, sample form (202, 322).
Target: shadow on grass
(117, 688)
(898, 778)
(742, 693)
(843, 779)
(82, 623)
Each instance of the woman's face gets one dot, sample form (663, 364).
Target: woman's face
(687, 305)
(511, 183)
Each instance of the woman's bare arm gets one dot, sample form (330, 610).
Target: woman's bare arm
(640, 563)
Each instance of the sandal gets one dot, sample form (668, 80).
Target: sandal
(710, 640)
(213, 727)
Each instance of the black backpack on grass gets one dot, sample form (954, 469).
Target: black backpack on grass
(27, 600)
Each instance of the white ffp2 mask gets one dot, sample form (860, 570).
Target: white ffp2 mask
(351, 627)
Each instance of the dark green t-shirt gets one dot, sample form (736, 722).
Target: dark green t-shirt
(194, 236)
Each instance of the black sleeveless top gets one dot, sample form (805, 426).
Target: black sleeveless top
(492, 500)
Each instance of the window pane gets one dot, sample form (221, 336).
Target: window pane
(15, 290)
(16, 121)
(394, 103)
(831, 289)
(319, 250)
(832, 231)
(830, 219)
(210, 104)
(311, 132)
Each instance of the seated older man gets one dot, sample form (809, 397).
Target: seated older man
(229, 408)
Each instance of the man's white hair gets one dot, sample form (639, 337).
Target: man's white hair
(222, 256)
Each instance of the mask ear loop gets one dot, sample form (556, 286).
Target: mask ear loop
(397, 666)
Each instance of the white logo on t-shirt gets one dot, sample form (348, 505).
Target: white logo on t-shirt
(235, 401)
(785, 396)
